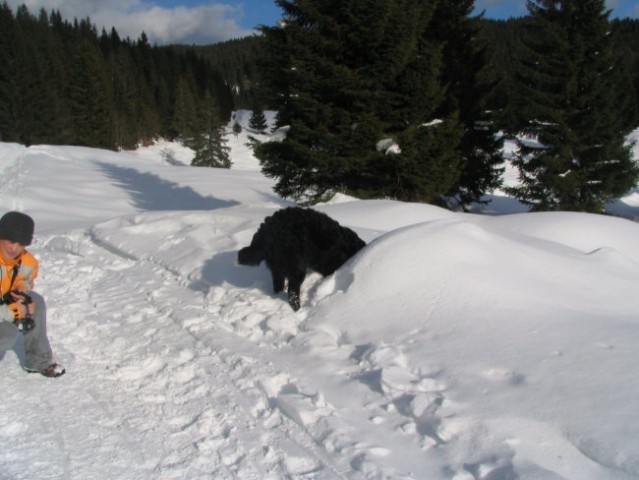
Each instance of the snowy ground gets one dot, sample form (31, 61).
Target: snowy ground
(454, 346)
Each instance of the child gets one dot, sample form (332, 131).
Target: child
(23, 311)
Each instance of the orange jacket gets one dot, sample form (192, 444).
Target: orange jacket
(27, 272)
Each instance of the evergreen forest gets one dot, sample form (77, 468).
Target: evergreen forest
(63, 83)
(380, 98)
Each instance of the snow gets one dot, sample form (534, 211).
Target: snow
(454, 346)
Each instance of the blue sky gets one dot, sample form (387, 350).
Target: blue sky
(267, 12)
(211, 21)
(517, 8)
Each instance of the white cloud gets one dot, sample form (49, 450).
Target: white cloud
(198, 25)
(204, 24)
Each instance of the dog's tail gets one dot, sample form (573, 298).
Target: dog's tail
(250, 256)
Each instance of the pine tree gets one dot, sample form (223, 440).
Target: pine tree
(9, 87)
(127, 98)
(91, 98)
(257, 122)
(184, 112)
(211, 149)
(27, 78)
(237, 128)
(626, 39)
(33, 99)
(61, 83)
(571, 82)
(57, 121)
(349, 75)
(469, 85)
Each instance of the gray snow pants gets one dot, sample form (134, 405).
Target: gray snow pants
(37, 351)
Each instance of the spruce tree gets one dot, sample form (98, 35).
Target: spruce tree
(470, 83)
(34, 108)
(61, 83)
(57, 120)
(570, 80)
(211, 149)
(257, 122)
(25, 70)
(127, 98)
(626, 38)
(185, 110)
(9, 87)
(352, 78)
(237, 128)
(91, 98)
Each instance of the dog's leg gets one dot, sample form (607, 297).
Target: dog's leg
(278, 280)
(294, 300)
(294, 286)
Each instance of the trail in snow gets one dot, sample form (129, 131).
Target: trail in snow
(178, 404)
(226, 398)
(224, 408)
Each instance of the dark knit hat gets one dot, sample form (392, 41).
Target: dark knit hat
(17, 227)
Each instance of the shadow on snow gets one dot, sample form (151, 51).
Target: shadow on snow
(152, 193)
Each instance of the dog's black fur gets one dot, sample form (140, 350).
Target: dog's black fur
(295, 239)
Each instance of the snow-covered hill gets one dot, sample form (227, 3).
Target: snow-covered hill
(454, 346)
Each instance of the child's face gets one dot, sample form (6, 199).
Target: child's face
(11, 249)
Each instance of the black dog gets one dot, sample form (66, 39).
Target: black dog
(295, 239)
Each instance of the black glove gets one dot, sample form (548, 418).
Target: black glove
(24, 324)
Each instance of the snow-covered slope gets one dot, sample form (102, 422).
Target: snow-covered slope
(454, 346)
